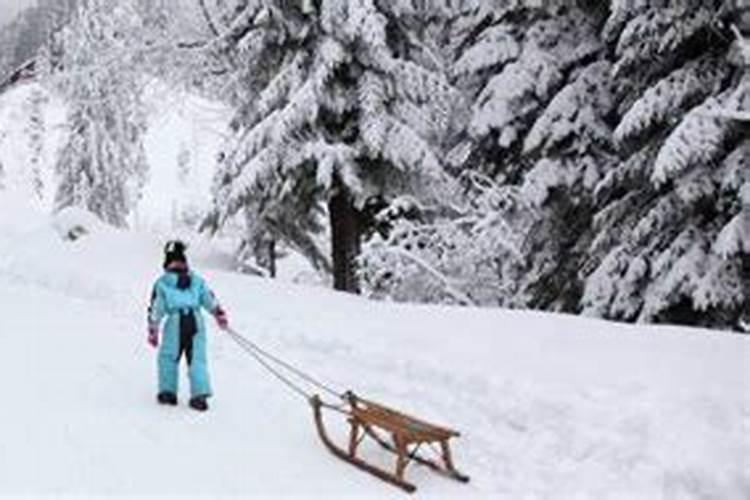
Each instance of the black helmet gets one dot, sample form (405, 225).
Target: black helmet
(174, 251)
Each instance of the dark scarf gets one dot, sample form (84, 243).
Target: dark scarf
(183, 278)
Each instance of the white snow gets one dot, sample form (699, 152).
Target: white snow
(550, 406)
(178, 123)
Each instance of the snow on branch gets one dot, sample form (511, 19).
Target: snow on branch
(514, 94)
(288, 79)
(406, 150)
(656, 33)
(720, 285)
(735, 236)
(420, 86)
(743, 43)
(371, 94)
(457, 253)
(258, 170)
(656, 106)
(458, 295)
(278, 125)
(244, 22)
(577, 111)
(675, 274)
(622, 11)
(735, 171)
(494, 47)
(698, 138)
(333, 160)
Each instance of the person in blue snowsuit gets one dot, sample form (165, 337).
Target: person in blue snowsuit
(179, 295)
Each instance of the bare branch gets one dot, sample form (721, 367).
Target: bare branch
(207, 17)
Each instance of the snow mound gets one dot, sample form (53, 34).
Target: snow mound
(74, 223)
(72, 252)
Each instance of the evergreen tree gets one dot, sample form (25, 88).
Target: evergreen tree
(522, 56)
(667, 213)
(96, 72)
(559, 155)
(541, 87)
(346, 111)
(36, 131)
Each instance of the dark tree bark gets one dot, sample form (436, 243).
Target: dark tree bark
(272, 257)
(744, 321)
(345, 239)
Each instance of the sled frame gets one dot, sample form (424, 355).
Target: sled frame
(369, 419)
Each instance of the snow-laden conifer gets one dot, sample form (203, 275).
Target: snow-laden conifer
(95, 71)
(342, 111)
(35, 130)
(665, 245)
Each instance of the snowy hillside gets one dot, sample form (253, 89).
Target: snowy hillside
(549, 406)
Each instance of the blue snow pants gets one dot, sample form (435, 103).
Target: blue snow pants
(180, 300)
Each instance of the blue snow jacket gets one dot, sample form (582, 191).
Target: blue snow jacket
(179, 296)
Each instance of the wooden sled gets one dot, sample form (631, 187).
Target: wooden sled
(368, 419)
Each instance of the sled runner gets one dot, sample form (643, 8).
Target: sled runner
(407, 436)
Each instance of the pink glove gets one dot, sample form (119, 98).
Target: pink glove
(221, 318)
(153, 335)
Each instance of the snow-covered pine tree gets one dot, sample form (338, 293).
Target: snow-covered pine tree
(96, 72)
(662, 249)
(347, 112)
(35, 130)
(513, 64)
(570, 145)
(540, 84)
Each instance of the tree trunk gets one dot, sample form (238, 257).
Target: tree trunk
(272, 257)
(345, 240)
(744, 321)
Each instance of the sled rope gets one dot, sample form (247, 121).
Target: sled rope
(265, 359)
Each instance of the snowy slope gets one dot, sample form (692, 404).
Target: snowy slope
(550, 406)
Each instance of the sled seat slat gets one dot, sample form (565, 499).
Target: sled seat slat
(413, 429)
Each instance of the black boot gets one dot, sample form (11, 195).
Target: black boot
(199, 403)
(167, 398)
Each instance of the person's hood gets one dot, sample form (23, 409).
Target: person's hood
(178, 278)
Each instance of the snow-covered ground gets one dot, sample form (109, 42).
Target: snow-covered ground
(550, 406)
